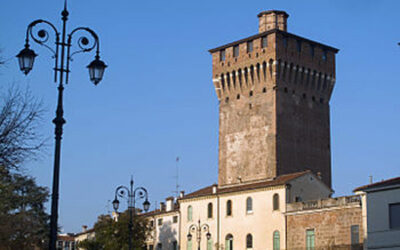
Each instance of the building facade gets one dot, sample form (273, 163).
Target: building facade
(381, 214)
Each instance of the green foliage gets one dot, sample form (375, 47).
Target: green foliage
(114, 235)
(24, 223)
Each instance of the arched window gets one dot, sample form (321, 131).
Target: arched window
(189, 213)
(249, 241)
(275, 202)
(229, 242)
(210, 210)
(229, 208)
(249, 205)
(276, 241)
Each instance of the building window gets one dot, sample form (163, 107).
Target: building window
(159, 246)
(222, 55)
(249, 205)
(249, 46)
(189, 245)
(310, 239)
(324, 55)
(312, 50)
(229, 208)
(354, 234)
(210, 244)
(249, 241)
(189, 213)
(275, 202)
(285, 41)
(276, 241)
(209, 210)
(175, 219)
(236, 51)
(160, 221)
(152, 223)
(394, 215)
(264, 42)
(151, 247)
(229, 242)
(175, 245)
(298, 45)
(59, 244)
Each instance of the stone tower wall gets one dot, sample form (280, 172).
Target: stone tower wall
(274, 106)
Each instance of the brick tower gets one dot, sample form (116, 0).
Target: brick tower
(273, 90)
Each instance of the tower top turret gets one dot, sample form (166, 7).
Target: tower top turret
(272, 19)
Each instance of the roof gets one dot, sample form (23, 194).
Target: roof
(279, 180)
(379, 185)
(159, 211)
(65, 237)
(91, 230)
(270, 32)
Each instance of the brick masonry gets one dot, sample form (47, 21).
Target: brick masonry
(332, 228)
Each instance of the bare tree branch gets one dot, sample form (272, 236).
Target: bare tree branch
(20, 118)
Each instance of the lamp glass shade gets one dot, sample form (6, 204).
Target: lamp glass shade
(146, 205)
(115, 204)
(26, 58)
(189, 236)
(96, 70)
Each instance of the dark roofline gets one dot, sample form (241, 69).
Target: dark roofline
(381, 184)
(267, 33)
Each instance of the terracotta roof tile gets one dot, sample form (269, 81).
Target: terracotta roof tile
(280, 180)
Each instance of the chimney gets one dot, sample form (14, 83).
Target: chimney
(162, 206)
(84, 228)
(272, 19)
(214, 189)
(170, 203)
(182, 193)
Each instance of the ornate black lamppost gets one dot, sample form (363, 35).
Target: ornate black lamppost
(130, 195)
(62, 58)
(198, 229)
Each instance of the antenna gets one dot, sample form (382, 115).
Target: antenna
(177, 177)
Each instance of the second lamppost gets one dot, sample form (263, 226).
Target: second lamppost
(198, 229)
(131, 195)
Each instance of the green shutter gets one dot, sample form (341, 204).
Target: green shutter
(310, 239)
(227, 244)
(189, 245)
(276, 241)
(209, 244)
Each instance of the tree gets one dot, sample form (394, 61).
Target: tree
(114, 235)
(24, 222)
(20, 116)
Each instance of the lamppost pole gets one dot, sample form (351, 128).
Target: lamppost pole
(96, 68)
(130, 194)
(198, 230)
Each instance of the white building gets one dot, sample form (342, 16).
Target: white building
(381, 214)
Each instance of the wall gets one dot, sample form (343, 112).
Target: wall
(379, 233)
(330, 218)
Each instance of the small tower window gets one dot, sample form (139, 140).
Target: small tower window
(312, 50)
(236, 51)
(251, 93)
(222, 55)
(249, 46)
(324, 55)
(264, 42)
(298, 45)
(285, 41)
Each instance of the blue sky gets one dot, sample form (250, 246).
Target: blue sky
(157, 101)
